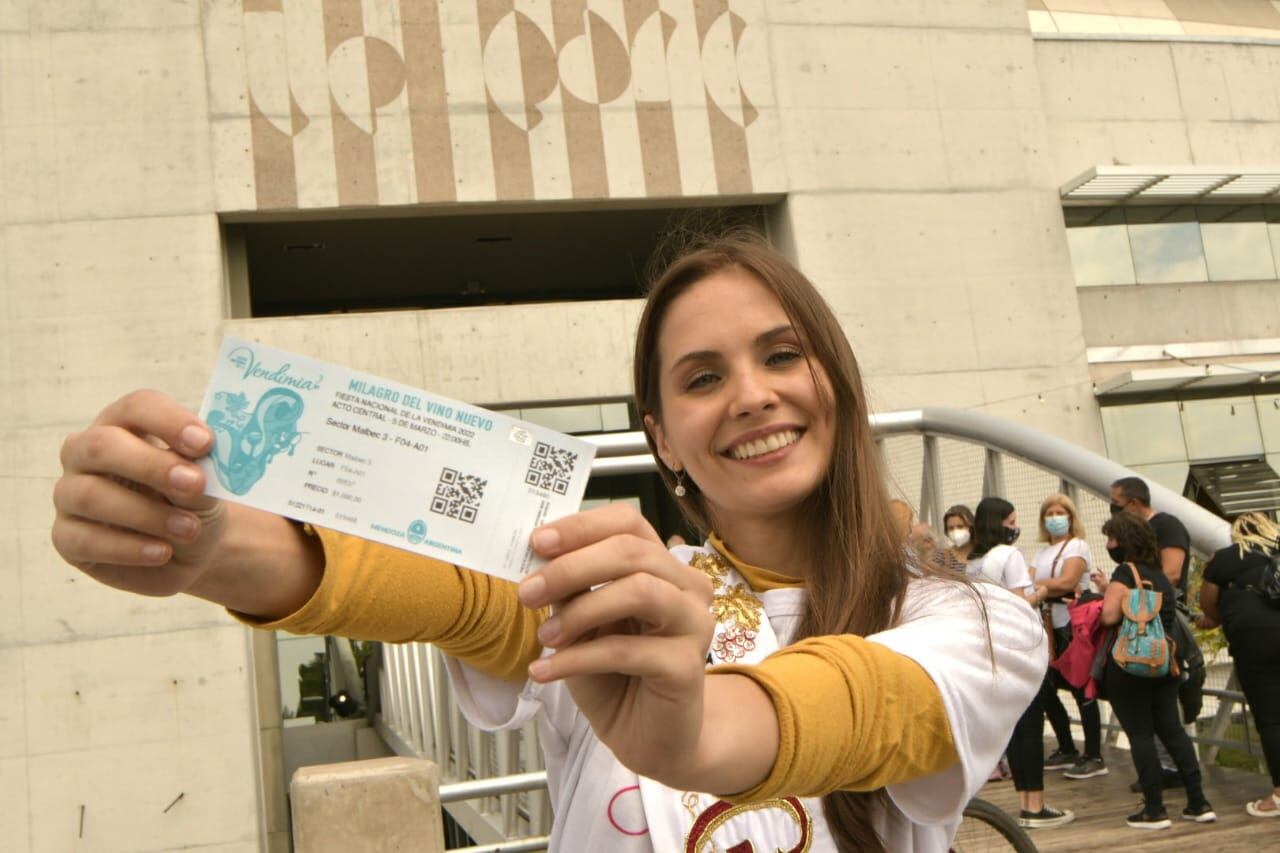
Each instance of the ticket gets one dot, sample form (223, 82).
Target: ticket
(352, 452)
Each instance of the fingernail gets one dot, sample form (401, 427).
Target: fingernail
(532, 590)
(548, 631)
(155, 553)
(545, 540)
(194, 438)
(539, 669)
(181, 525)
(184, 477)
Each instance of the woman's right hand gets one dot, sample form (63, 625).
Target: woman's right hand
(131, 512)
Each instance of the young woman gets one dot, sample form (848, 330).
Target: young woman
(1148, 707)
(957, 526)
(994, 559)
(858, 702)
(1062, 569)
(1229, 597)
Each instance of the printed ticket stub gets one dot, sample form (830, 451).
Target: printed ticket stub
(377, 459)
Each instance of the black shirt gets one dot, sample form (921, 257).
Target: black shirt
(1160, 583)
(1241, 608)
(1170, 533)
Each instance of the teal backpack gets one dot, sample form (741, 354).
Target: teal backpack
(1141, 647)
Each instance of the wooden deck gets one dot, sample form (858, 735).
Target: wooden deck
(1101, 804)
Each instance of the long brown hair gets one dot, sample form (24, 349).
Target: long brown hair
(858, 567)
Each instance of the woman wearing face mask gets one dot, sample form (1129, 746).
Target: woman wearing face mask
(957, 525)
(993, 558)
(1148, 707)
(1061, 568)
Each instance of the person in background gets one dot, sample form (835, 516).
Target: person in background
(1229, 597)
(1133, 495)
(957, 525)
(1148, 707)
(1061, 568)
(903, 516)
(994, 559)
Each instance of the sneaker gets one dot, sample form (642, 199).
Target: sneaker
(1087, 768)
(1149, 820)
(1060, 758)
(1202, 813)
(1046, 818)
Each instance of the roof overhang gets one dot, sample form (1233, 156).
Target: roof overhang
(1199, 377)
(1103, 185)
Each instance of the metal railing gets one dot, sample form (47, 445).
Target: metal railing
(497, 780)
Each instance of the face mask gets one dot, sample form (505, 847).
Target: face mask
(959, 537)
(1116, 509)
(1116, 553)
(1057, 524)
(1011, 535)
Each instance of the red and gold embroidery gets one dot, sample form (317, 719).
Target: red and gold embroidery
(699, 839)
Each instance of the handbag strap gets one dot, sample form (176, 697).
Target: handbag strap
(1053, 568)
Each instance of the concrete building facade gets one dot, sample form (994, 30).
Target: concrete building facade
(911, 155)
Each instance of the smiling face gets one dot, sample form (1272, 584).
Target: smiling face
(740, 411)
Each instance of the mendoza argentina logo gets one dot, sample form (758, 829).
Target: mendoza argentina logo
(244, 358)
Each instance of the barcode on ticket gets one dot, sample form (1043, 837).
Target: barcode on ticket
(551, 468)
(458, 495)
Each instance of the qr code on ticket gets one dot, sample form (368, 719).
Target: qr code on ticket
(458, 495)
(550, 468)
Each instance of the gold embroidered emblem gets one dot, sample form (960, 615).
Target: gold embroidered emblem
(736, 608)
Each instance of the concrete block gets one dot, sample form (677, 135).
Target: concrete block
(26, 80)
(132, 75)
(10, 589)
(383, 804)
(1244, 76)
(482, 355)
(14, 809)
(983, 70)
(275, 801)
(29, 173)
(138, 689)
(133, 168)
(385, 344)
(233, 178)
(1094, 80)
(987, 14)
(60, 604)
(100, 268)
(1077, 145)
(13, 717)
(33, 452)
(848, 67)
(195, 792)
(266, 678)
(877, 149)
(1234, 143)
(987, 149)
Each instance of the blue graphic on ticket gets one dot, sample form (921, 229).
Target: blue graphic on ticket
(362, 455)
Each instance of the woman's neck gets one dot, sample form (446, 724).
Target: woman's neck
(768, 542)
(1058, 540)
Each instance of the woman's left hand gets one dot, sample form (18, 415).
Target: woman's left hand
(631, 629)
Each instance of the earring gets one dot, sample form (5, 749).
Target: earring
(680, 490)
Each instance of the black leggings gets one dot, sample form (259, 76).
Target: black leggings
(1090, 718)
(1026, 748)
(1148, 708)
(1258, 668)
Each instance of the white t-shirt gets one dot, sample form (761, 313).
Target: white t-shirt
(1004, 565)
(1043, 565)
(597, 802)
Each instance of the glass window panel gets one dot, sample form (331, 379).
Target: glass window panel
(1166, 244)
(614, 417)
(1171, 475)
(1099, 246)
(1222, 428)
(1269, 421)
(1144, 434)
(569, 419)
(303, 666)
(1236, 247)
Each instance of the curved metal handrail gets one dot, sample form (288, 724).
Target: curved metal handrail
(627, 453)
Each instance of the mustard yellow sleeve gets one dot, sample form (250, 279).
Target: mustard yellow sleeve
(375, 592)
(852, 716)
